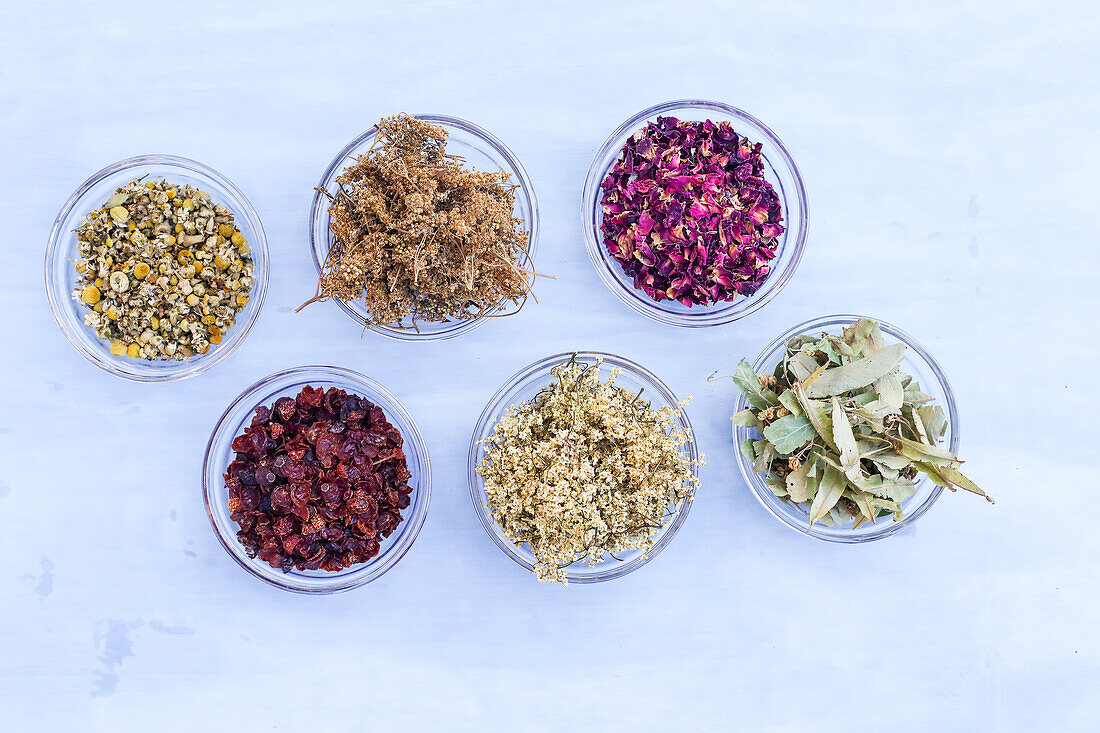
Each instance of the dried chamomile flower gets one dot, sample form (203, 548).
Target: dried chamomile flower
(163, 270)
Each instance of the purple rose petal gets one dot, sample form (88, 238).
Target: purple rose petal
(688, 214)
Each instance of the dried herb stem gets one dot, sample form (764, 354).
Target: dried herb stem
(418, 237)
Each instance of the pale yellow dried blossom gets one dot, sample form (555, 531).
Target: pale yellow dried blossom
(584, 470)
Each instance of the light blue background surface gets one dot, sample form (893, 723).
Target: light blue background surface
(950, 158)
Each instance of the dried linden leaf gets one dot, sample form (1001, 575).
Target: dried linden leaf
(798, 482)
(841, 405)
(746, 419)
(747, 450)
(802, 365)
(789, 433)
(934, 419)
(788, 399)
(950, 478)
(863, 501)
(745, 378)
(928, 453)
(817, 414)
(890, 391)
(845, 442)
(856, 374)
(828, 494)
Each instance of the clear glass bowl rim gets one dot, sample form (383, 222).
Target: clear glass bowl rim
(764, 363)
(500, 402)
(639, 301)
(348, 380)
(317, 232)
(178, 370)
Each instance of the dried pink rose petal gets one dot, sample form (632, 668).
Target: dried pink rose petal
(688, 214)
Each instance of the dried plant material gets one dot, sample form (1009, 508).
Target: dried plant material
(689, 214)
(318, 481)
(844, 434)
(417, 235)
(163, 270)
(584, 470)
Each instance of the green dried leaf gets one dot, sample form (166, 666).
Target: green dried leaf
(890, 392)
(840, 346)
(915, 426)
(864, 336)
(812, 482)
(776, 485)
(898, 491)
(745, 378)
(950, 478)
(116, 199)
(798, 482)
(789, 433)
(888, 504)
(864, 415)
(801, 365)
(746, 419)
(858, 373)
(828, 493)
(845, 442)
(857, 416)
(788, 399)
(873, 333)
(887, 473)
(878, 408)
(923, 452)
(890, 459)
(817, 414)
(934, 420)
(862, 399)
(914, 395)
(747, 450)
(764, 456)
(825, 346)
(863, 501)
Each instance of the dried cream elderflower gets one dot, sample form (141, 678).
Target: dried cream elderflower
(585, 469)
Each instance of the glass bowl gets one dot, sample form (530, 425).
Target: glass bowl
(480, 150)
(780, 171)
(219, 454)
(61, 276)
(522, 387)
(917, 362)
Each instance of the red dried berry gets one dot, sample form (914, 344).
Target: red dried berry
(316, 480)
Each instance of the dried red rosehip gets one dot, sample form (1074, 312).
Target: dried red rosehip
(317, 481)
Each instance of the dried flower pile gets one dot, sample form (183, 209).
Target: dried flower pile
(688, 214)
(844, 433)
(584, 470)
(418, 235)
(318, 481)
(163, 270)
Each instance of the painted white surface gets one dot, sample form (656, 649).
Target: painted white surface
(950, 156)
